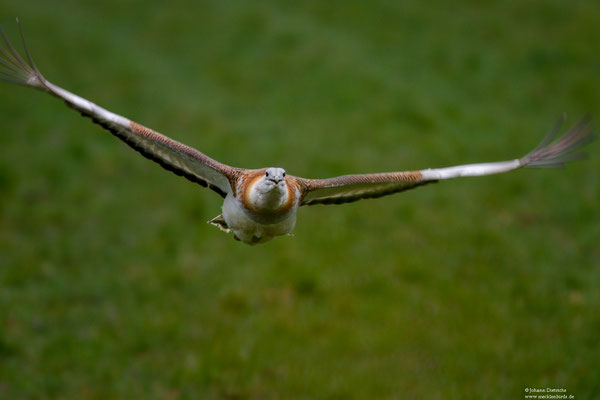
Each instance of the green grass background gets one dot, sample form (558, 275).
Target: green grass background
(112, 285)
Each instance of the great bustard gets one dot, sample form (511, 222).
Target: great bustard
(262, 203)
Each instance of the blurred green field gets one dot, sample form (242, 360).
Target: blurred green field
(112, 285)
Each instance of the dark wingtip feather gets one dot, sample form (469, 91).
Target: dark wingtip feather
(555, 153)
(13, 68)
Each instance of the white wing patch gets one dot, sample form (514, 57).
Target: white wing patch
(470, 170)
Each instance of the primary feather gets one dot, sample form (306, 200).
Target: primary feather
(14, 68)
(552, 153)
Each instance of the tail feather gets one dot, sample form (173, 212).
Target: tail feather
(15, 69)
(554, 153)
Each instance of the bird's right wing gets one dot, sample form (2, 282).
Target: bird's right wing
(170, 154)
(349, 188)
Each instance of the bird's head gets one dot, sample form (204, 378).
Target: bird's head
(274, 178)
(268, 193)
(270, 190)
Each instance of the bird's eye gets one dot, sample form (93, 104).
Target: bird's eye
(284, 174)
(267, 174)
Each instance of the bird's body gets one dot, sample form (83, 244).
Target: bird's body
(260, 204)
(248, 228)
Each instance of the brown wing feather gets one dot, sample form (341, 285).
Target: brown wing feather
(168, 153)
(174, 156)
(349, 188)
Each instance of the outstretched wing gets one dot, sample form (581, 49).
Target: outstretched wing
(170, 154)
(349, 188)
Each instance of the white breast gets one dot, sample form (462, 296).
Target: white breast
(250, 230)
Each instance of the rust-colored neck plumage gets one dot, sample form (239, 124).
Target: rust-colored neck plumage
(265, 205)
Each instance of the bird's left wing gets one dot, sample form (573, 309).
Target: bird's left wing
(349, 188)
(170, 154)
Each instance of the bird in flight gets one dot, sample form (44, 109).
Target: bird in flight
(260, 204)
